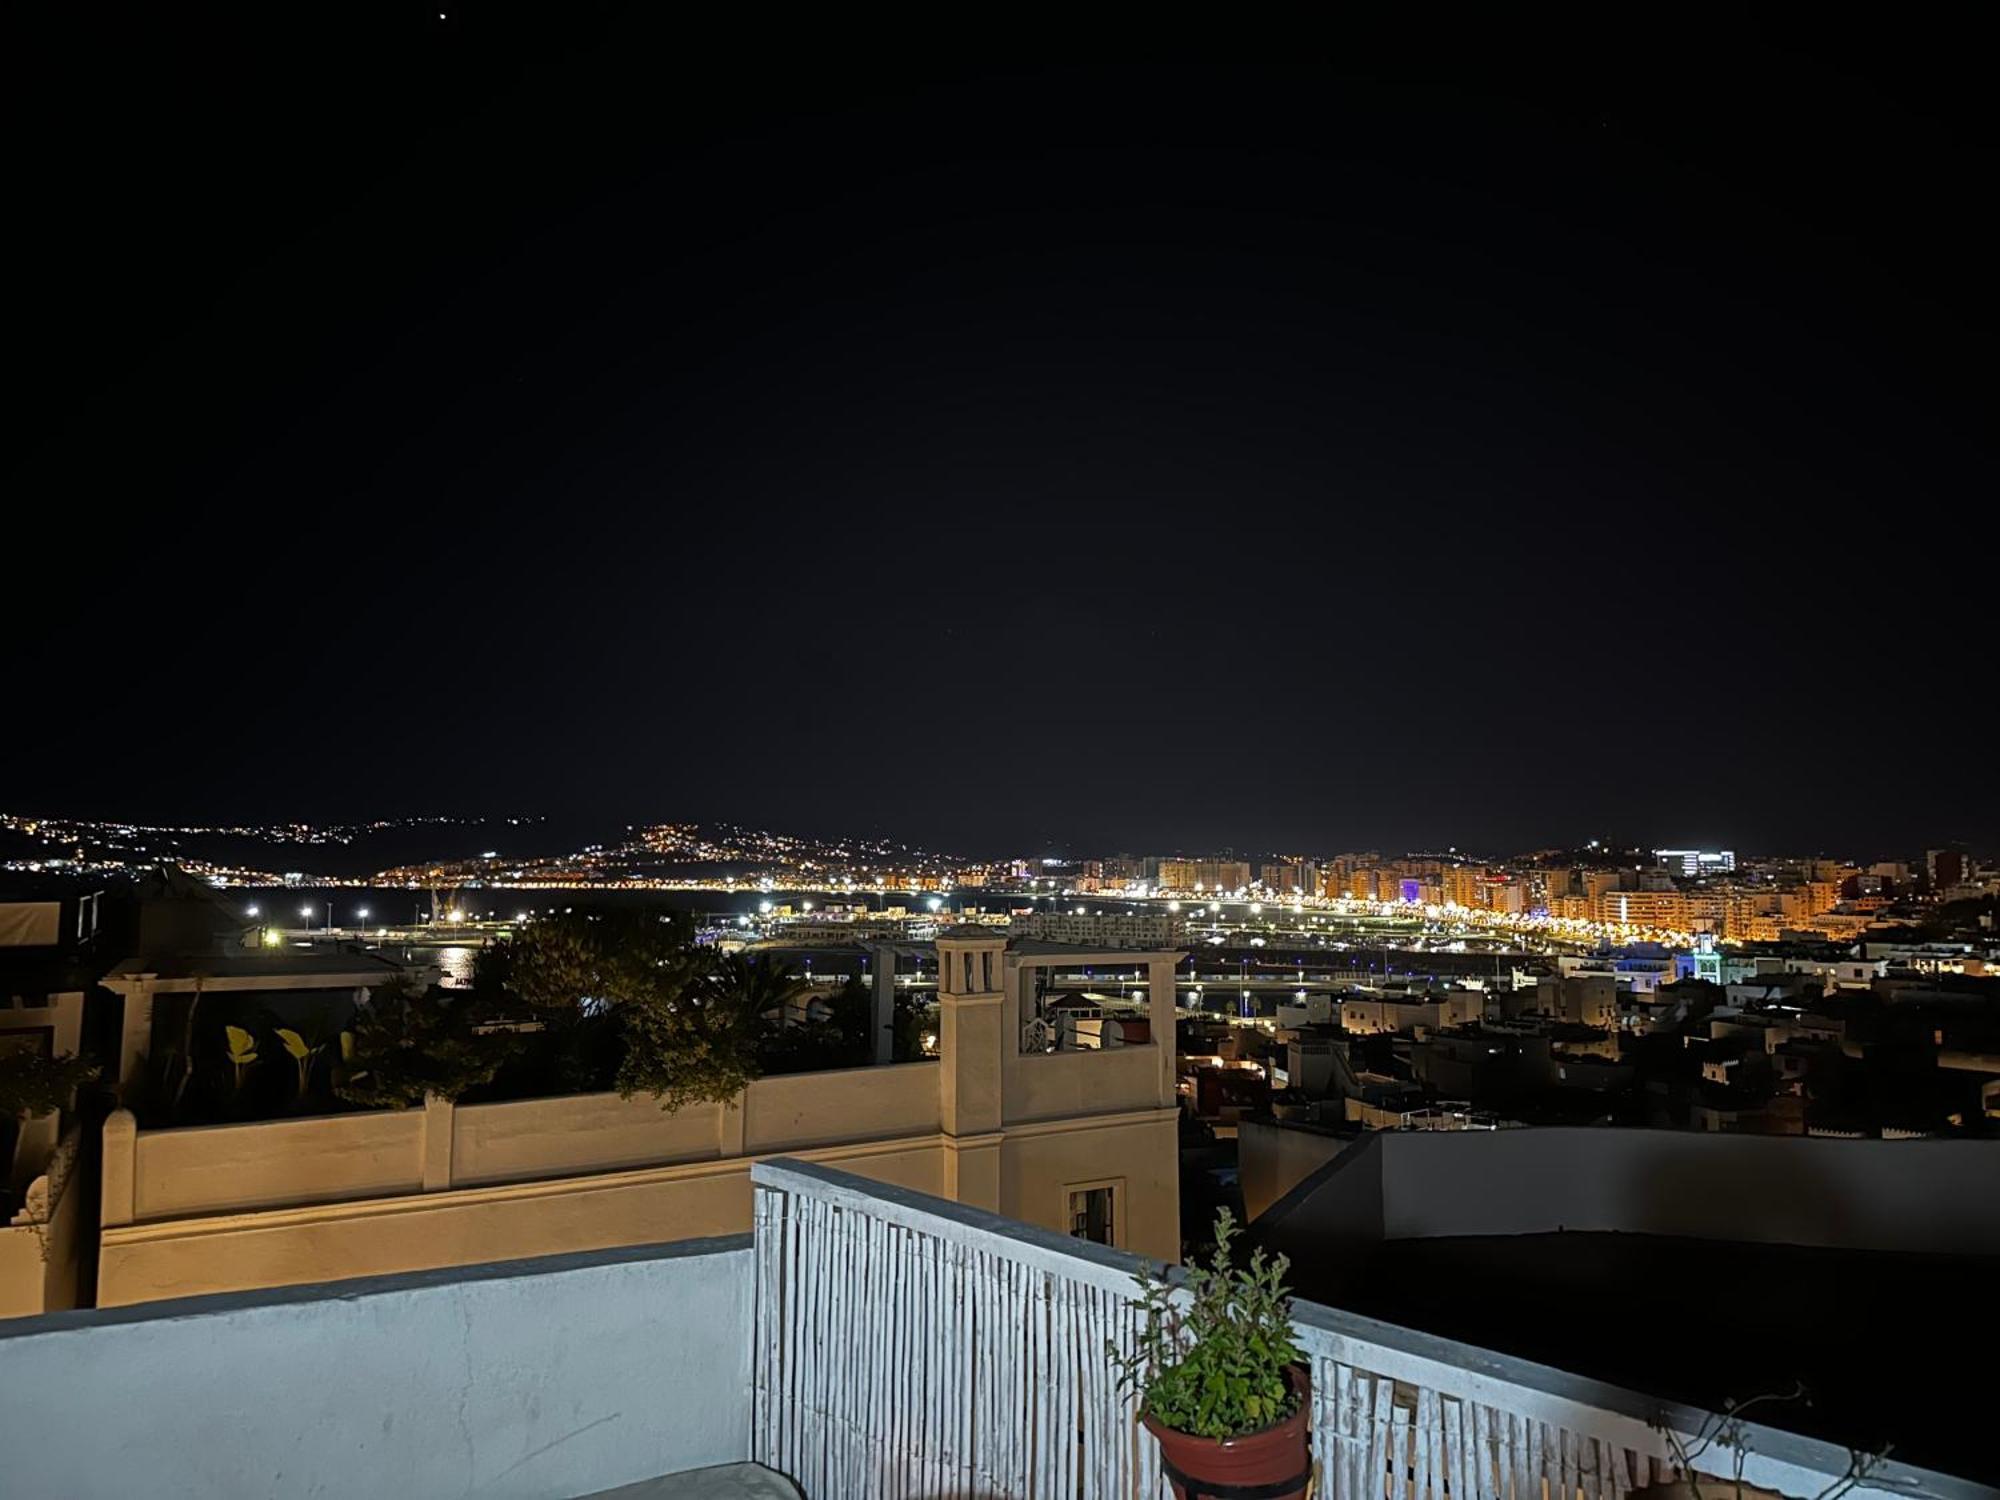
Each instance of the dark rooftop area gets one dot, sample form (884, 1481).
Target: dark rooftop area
(1708, 1321)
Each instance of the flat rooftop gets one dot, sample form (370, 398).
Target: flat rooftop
(1710, 1321)
(275, 963)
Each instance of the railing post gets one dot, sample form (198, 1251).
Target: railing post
(118, 1197)
(437, 1143)
(732, 1125)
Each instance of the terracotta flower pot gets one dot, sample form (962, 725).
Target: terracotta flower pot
(1269, 1464)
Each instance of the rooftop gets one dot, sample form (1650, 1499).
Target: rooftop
(866, 1340)
(258, 964)
(1702, 1268)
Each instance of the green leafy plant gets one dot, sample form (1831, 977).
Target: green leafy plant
(31, 1084)
(303, 1054)
(1212, 1355)
(688, 1019)
(692, 1030)
(242, 1052)
(407, 1043)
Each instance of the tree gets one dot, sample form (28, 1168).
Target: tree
(688, 1017)
(840, 1038)
(916, 1033)
(691, 1034)
(407, 1043)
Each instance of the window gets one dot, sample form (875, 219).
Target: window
(1093, 1212)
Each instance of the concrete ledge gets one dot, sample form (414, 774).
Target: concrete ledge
(358, 1287)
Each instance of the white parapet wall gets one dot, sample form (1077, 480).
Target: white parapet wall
(560, 1376)
(1939, 1196)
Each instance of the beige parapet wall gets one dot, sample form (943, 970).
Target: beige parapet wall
(40, 1252)
(233, 1207)
(211, 1169)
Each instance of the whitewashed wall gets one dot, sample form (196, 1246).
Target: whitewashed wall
(1941, 1196)
(533, 1379)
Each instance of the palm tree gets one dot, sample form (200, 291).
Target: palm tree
(764, 989)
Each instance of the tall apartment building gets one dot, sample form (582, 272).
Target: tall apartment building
(1644, 908)
(1946, 866)
(1463, 885)
(1595, 883)
(1222, 874)
(1289, 877)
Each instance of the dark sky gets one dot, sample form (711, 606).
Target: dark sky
(1491, 439)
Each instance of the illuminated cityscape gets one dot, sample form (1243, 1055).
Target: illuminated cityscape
(752, 762)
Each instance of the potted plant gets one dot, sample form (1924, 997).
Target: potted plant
(1222, 1386)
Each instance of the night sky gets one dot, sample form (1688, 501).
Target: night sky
(1488, 439)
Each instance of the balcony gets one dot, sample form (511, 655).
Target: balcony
(865, 1340)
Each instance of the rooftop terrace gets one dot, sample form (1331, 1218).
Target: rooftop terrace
(865, 1340)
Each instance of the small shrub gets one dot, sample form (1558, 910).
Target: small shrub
(1212, 1363)
(31, 1084)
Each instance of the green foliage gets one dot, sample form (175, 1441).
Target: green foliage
(842, 1038)
(690, 1019)
(408, 1043)
(915, 1023)
(587, 962)
(31, 1084)
(691, 1037)
(1211, 1360)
